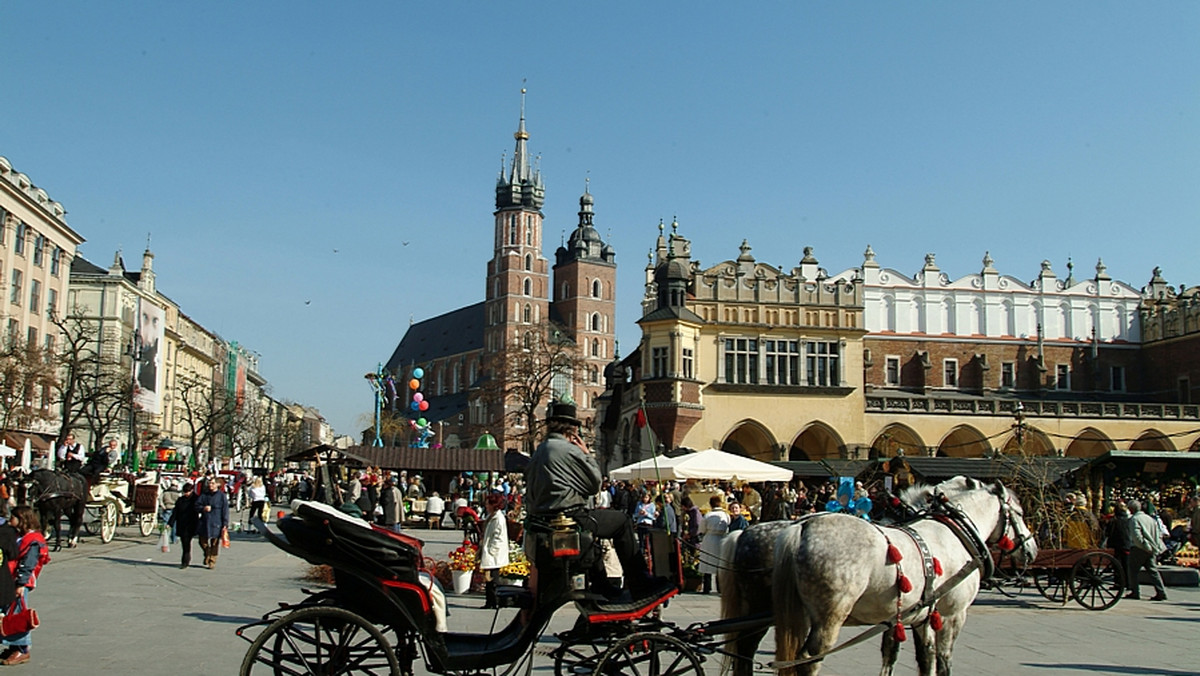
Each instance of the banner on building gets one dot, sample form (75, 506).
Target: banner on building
(148, 371)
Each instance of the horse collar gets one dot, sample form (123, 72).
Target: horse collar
(926, 561)
(964, 529)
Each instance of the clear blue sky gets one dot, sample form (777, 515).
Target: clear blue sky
(253, 139)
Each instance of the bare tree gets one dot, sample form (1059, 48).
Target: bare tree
(544, 364)
(91, 387)
(27, 381)
(205, 410)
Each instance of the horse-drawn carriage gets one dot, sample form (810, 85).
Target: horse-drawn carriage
(385, 613)
(110, 503)
(1095, 578)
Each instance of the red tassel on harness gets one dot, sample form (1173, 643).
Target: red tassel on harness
(898, 633)
(904, 583)
(894, 555)
(937, 567)
(1005, 544)
(935, 620)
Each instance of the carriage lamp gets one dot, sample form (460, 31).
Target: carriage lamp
(564, 539)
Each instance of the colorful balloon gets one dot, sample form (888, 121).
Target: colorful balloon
(414, 384)
(424, 405)
(418, 372)
(418, 397)
(421, 422)
(416, 405)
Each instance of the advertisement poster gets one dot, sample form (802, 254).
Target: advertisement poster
(148, 364)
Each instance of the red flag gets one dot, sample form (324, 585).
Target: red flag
(641, 418)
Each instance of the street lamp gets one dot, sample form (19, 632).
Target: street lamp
(135, 355)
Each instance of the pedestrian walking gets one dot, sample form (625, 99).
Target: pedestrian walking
(184, 519)
(393, 506)
(213, 509)
(1145, 544)
(713, 529)
(32, 554)
(258, 499)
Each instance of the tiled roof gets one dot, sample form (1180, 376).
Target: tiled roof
(455, 332)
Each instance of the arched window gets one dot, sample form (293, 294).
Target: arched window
(527, 341)
(512, 229)
(457, 378)
(595, 288)
(528, 313)
(595, 347)
(528, 261)
(529, 229)
(528, 286)
(566, 291)
(596, 322)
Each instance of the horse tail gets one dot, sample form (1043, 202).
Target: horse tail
(791, 618)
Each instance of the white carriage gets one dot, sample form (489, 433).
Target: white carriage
(111, 503)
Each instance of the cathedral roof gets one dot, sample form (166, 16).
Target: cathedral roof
(455, 332)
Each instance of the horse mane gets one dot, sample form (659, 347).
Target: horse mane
(916, 496)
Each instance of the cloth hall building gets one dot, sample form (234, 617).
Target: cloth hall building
(802, 364)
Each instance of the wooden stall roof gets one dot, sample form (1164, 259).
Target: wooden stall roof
(428, 459)
(1034, 468)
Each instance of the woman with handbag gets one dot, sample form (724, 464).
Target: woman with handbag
(213, 508)
(32, 554)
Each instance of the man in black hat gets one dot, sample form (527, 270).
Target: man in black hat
(563, 475)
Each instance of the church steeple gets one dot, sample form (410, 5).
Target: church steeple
(522, 187)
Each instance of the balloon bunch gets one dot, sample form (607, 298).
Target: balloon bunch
(419, 404)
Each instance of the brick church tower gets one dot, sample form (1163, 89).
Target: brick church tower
(585, 277)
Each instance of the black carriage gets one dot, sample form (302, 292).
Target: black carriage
(381, 616)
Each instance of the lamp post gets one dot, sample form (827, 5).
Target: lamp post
(135, 354)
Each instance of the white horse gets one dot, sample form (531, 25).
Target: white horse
(837, 569)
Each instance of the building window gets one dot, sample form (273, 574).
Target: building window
(891, 372)
(15, 295)
(688, 363)
(3, 225)
(528, 229)
(31, 338)
(528, 313)
(949, 373)
(595, 347)
(1185, 390)
(595, 288)
(1062, 377)
(13, 328)
(596, 322)
(55, 260)
(741, 360)
(528, 262)
(658, 362)
(39, 249)
(35, 296)
(49, 345)
(512, 229)
(822, 364)
(19, 240)
(594, 374)
(782, 359)
(1118, 378)
(528, 287)
(527, 340)
(1008, 375)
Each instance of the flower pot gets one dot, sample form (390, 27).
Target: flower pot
(511, 581)
(462, 581)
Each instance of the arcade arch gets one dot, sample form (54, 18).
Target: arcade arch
(1089, 443)
(964, 441)
(1035, 443)
(1152, 440)
(895, 438)
(816, 442)
(751, 439)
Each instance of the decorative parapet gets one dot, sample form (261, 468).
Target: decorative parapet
(1036, 409)
(22, 183)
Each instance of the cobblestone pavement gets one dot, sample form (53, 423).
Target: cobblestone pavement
(126, 607)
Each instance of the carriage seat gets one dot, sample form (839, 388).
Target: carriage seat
(513, 596)
(401, 555)
(600, 610)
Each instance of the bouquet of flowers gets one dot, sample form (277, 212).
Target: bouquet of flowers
(465, 557)
(518, 565)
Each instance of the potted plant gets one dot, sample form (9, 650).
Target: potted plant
(517, 570)
(462, 566)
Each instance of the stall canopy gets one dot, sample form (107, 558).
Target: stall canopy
(710, 464)
(1036, 469)
(826, 468)
(1184, 463)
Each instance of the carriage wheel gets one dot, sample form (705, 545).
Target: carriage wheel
(146, 523)
(320, 640)
(92, 519)
(577, 658)
(649, 654)
(108, 521)
(1052, 584)
(1097, 581)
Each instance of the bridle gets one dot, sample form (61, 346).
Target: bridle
(960, 523)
